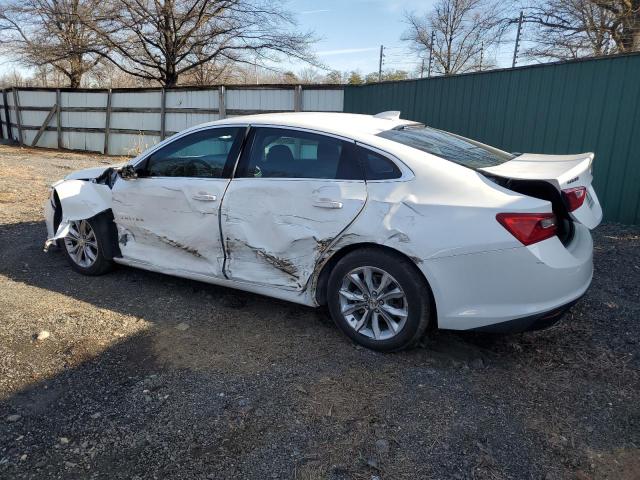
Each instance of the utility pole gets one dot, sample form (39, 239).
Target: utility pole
(422, 69)
(481, 54)
(255, 66)
(515, 50)
(380, 64)
(433, 37)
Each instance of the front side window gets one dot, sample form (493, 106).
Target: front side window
(284, 153)
(454, 148)
(202, 154)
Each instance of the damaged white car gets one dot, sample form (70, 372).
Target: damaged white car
(396, 226)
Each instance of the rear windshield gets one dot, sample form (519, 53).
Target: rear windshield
(451, 147)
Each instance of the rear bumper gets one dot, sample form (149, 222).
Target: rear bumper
(513, 289)
(539, 321)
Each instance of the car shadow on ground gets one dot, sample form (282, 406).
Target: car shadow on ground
(145, 375)
(167, 301)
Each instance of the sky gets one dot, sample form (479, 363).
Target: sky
(351, 32)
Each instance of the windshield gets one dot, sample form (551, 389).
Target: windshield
(449, 146)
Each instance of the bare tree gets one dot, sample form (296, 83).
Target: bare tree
(310, 75)
(626, 26)
(459, 31)
(335, 77)
(387, 75)
(355, 78)
(208, 73)
(12, 79)
(577, 28)
(51, 32)
(107, 75)
(161, 40)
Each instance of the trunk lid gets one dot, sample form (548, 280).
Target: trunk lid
(561, 171)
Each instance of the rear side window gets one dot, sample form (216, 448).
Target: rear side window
(454, 148)
(284, 153)
(202, 154)
(378, 167)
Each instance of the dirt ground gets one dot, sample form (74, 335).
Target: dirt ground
(149, 376)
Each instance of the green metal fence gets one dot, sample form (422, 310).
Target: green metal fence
(590, 105)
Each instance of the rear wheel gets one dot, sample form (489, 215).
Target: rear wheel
(84, 247)
(379, 299)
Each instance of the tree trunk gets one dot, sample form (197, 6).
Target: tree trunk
(628, 39)
(75, 79)
(634, 33)
(170, 80)
(634, 26)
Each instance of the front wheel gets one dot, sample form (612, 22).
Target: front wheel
(84, 247)
(379, 299)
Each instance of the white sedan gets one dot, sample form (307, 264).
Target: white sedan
(396, 226)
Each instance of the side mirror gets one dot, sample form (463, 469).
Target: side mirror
(128, 172)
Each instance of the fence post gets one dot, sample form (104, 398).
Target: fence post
(6, 115)
(222, 101)
(163, 116)
(297, 99)
(59, 118)
(107, 124)
(16, 106)
(2, 122)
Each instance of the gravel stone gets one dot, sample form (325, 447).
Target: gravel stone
(43, 335)
(382, 446)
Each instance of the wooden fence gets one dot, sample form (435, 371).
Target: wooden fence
(125, 121)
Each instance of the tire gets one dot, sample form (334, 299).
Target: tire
(403, 313)
(89, 258)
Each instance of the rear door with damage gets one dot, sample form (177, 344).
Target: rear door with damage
(293, 193)
(167, 217)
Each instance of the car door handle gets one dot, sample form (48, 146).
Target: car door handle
(204, 197)
(327, 204)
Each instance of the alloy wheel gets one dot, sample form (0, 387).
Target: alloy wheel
(81, 243)
(373, 303)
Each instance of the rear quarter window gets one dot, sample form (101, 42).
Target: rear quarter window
(378, 167)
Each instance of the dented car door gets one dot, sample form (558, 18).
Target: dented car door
(167, 217)
(294, 192)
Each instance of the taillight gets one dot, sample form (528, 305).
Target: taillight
(574, 197)
(529, 228)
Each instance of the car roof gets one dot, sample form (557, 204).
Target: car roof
(351, 125)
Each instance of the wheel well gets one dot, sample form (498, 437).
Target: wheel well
(325, 272)
(57, 213)
(106, 226)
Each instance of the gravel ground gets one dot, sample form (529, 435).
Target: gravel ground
(148, 376)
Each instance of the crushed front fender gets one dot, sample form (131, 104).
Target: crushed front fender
(79, 200)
